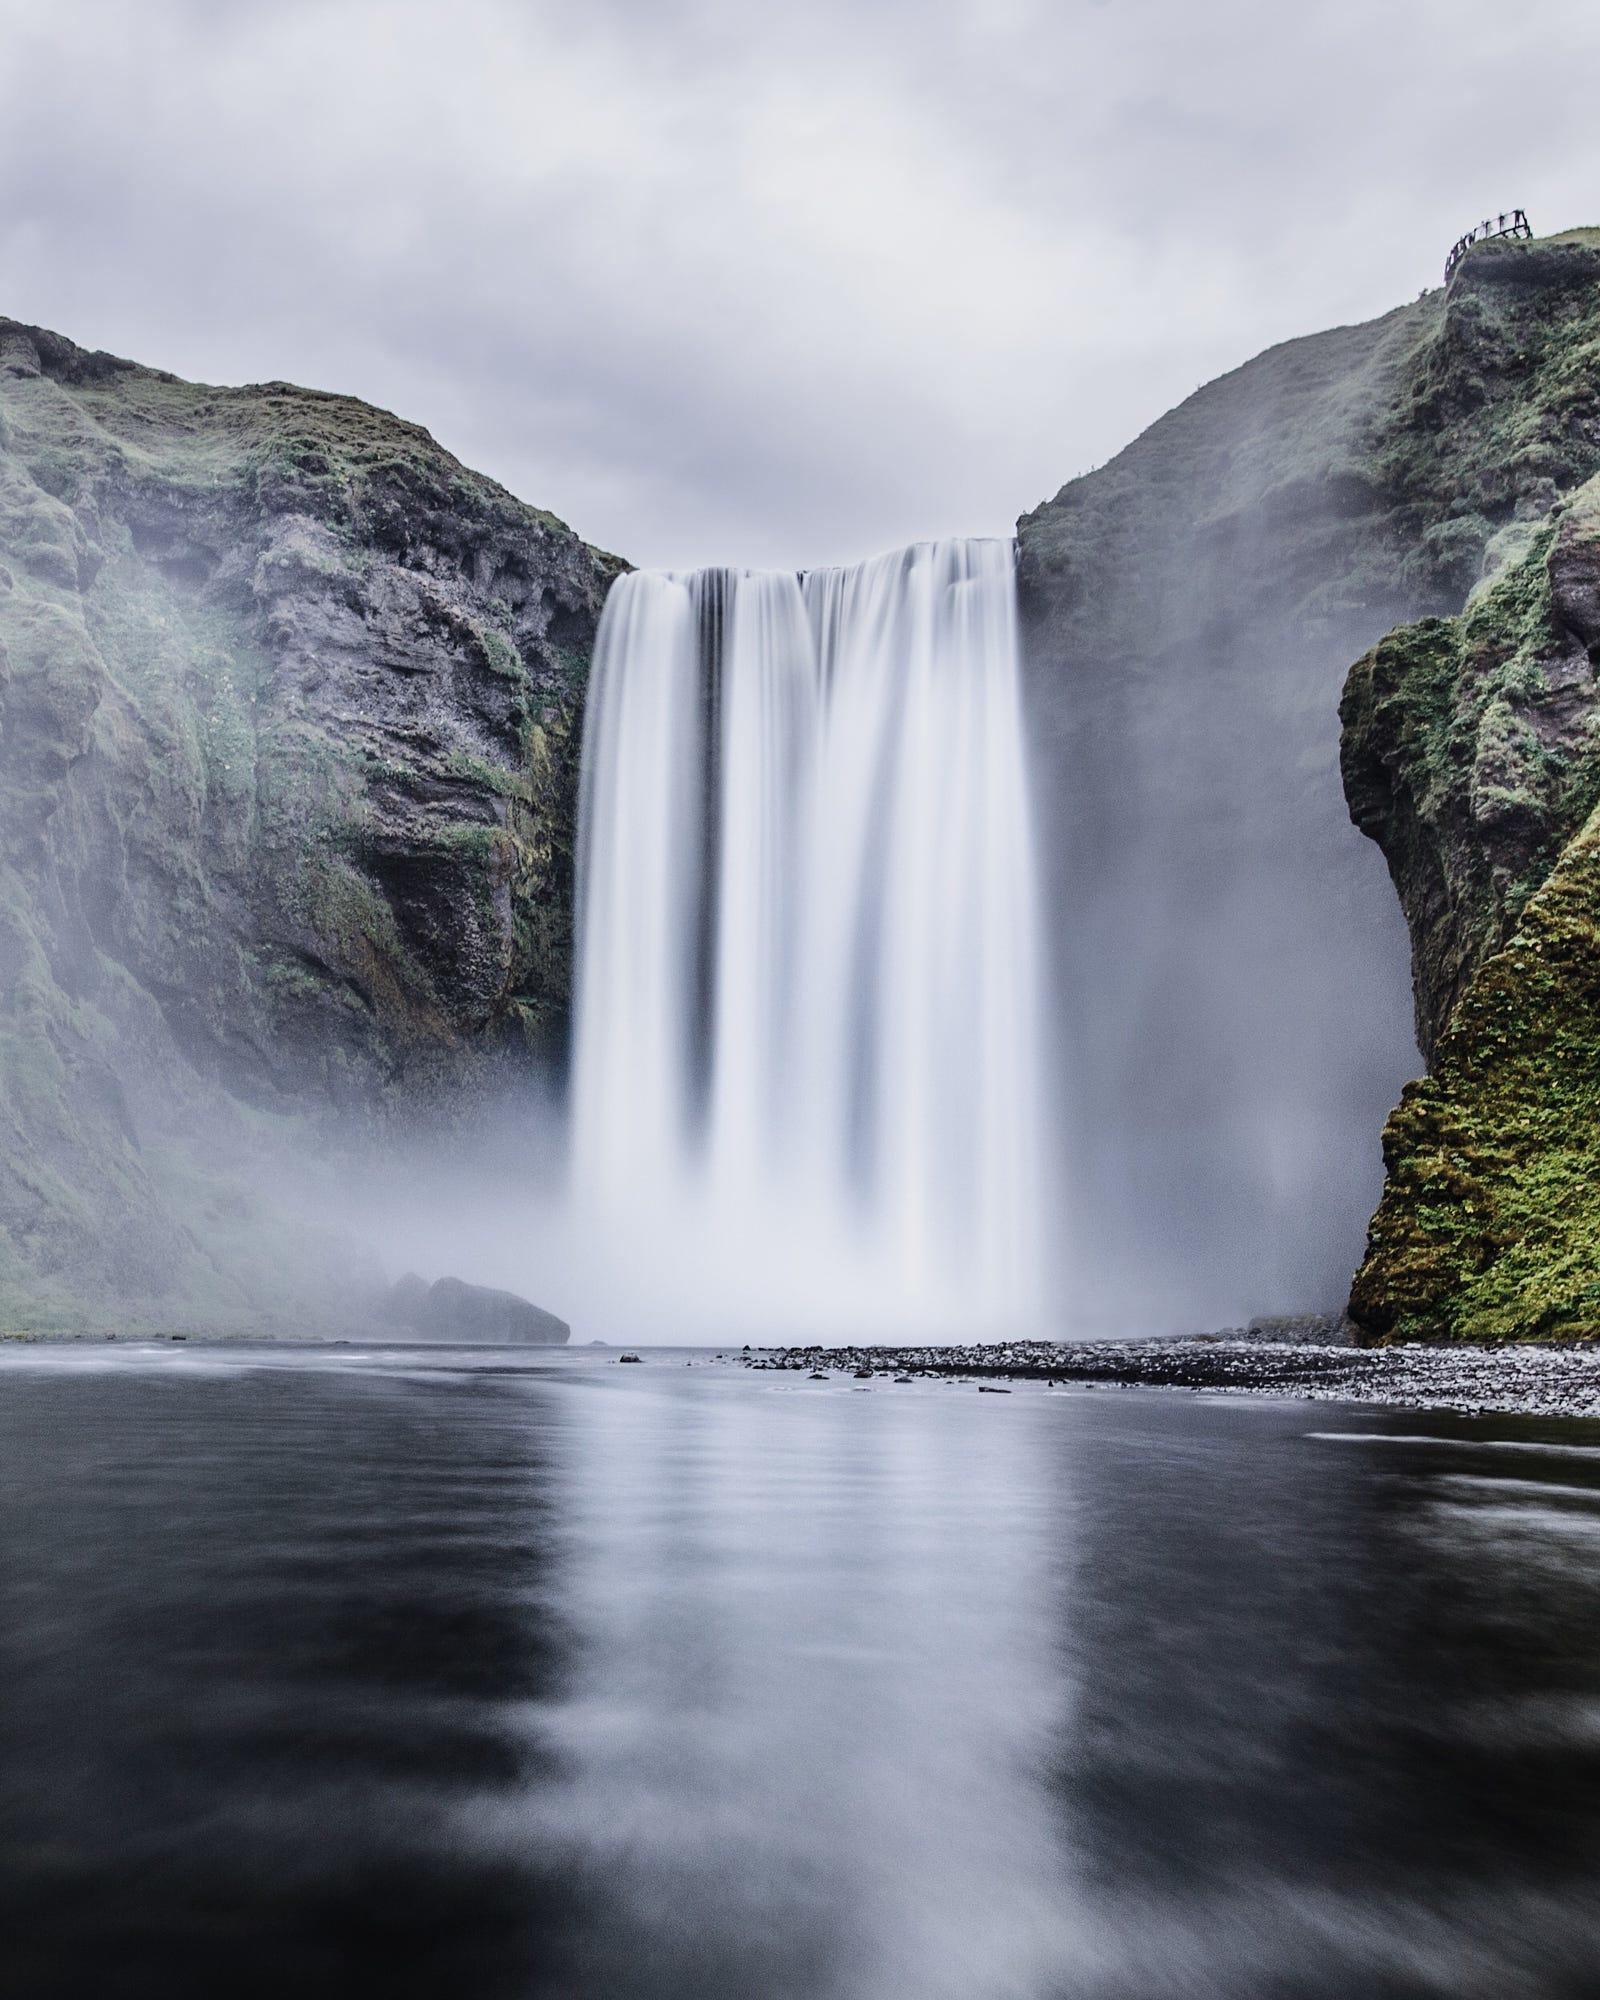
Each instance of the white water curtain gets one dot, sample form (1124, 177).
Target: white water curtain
(808, 1059)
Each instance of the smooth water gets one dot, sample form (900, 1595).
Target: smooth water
(807, 1060)
(499, 1675)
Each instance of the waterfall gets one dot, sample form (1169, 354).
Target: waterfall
(808, 1079)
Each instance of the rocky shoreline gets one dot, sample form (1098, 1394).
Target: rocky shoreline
(1542, 1381)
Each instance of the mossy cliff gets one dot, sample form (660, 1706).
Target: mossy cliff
(1191, 611)
(289, 709)
(1471, 754)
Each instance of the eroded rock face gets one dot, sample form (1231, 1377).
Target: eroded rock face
(289, 718)
(1470, 746)
(1473, 757)
(1471, 754)
(1191, 611)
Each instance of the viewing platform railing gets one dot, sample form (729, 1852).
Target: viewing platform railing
(1513, 224)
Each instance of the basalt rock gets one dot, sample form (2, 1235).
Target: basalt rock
(1470, 748)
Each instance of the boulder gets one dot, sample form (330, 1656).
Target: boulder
(451, 1309)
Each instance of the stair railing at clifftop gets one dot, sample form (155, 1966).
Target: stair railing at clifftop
(1514, 224)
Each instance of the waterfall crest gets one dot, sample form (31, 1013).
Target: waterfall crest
(808, 1072)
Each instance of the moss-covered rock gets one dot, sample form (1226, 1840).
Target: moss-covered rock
(1470, 746)
(1346, 472)
(1471, 754)
(289, 715)
(1489, 1227)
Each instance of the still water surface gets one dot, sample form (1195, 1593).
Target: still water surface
(489, 1675)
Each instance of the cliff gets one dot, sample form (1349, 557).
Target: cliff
(1191, 609)
(289, 717)
(1472, 756)
(289, 713)
(1232, 961)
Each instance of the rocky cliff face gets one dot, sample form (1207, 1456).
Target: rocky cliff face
(1472, 755)
(1232, 961)
(1469, 747)
(1191, 611)
(289, 713)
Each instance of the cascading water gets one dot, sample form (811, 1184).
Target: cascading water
(808, 1078)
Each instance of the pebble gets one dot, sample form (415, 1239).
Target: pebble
(1527, 1380)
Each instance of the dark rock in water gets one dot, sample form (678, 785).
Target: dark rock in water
(1542, 1380)
(451, 1309)
(629, 1357)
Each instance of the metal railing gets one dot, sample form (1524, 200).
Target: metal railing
(1513, 224)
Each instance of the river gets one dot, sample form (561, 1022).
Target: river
(494, 1674)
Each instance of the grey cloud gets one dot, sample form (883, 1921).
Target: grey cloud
(726, 283)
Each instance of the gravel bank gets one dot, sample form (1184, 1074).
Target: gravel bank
(1527, 1381)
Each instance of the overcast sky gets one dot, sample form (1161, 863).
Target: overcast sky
(740, 282)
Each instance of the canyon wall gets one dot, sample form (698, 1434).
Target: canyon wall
(1234, 969)
(1472, 756)
(290, 706)
(289, 716)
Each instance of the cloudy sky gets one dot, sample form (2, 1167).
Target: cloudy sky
(725, 281)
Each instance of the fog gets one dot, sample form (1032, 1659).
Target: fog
(719, 291)
(1228, 1019)
(1231, 965)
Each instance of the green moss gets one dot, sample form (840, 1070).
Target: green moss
(1471, 751)
(1489, 1228)
(498, 652)
(1467, 755)
(280, 729)
(1398, 448)
(504, 780)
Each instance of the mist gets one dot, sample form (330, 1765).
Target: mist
(1230, 966)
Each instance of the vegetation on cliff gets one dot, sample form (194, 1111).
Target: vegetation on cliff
(1470, 747)
(1379, 459)
(1471, 754)
(1489, 1227)
(289, 709)
(1198, 602)
(1191, 611)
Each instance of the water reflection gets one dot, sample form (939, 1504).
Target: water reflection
(499, 1678)
(817, 1680)
(263, 1637)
